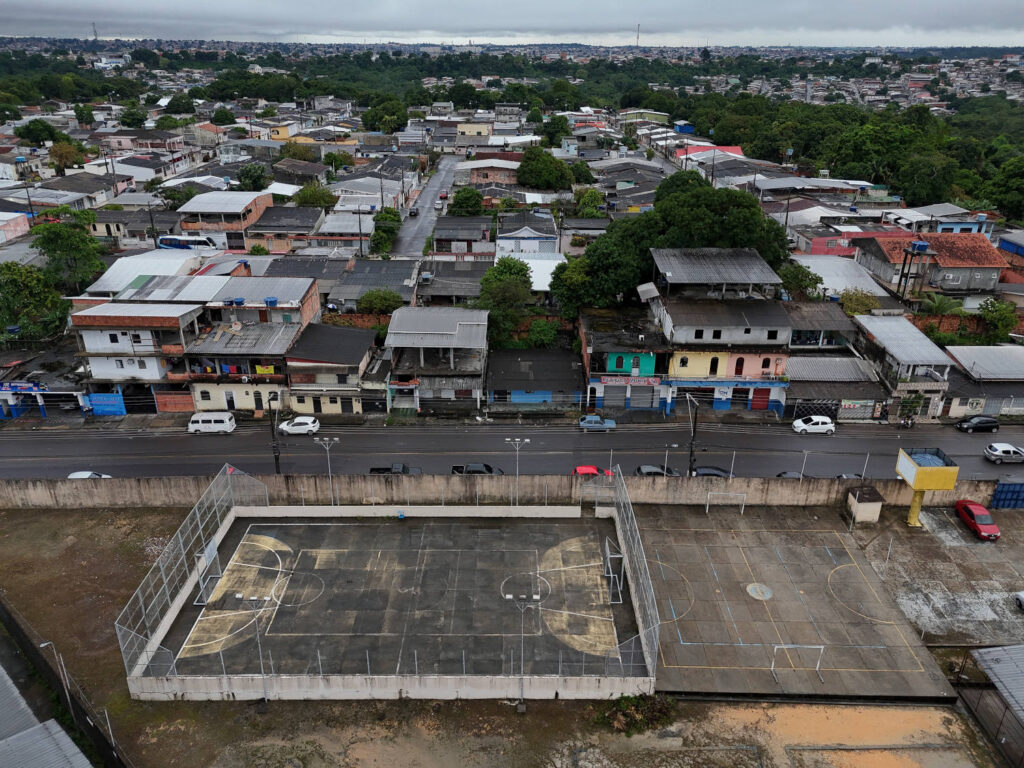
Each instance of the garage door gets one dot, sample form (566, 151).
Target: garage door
(615, 397)
(641, 397)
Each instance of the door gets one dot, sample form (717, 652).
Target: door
(642, 397)
(739, 366)
(229, 400)
(759, 402)
(318, 406)
(257, 399)
(614, 397)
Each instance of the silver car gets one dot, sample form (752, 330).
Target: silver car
(998, 453)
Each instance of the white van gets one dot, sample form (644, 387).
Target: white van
(220, 422)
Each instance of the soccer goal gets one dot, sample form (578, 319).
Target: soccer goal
(725, 500)
(787, 647)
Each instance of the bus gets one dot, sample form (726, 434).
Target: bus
(185, 242)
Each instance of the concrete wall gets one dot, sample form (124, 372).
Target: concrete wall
(250, 687)
(403, 491)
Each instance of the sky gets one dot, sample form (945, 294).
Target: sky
(598, 22)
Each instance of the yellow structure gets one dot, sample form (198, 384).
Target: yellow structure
(925, 469)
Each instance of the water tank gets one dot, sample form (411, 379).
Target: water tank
(271, 301)
(919, 246)
(228, 302)
(19, 159)
(239, 301)
(13, 330)
(982, 217)
(853, 209)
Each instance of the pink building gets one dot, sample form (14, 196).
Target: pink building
(12, 225)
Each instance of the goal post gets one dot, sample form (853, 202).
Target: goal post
(740, 498)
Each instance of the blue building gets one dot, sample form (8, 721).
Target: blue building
(534, 377)
(1012, 242)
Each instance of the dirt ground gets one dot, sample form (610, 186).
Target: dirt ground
(70, 572)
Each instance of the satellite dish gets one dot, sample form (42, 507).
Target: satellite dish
(236, 326)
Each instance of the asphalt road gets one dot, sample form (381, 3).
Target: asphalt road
(757, 450)
(416, 229)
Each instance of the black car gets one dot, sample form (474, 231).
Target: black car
(414, 211)
(711, 472)
(978, 424)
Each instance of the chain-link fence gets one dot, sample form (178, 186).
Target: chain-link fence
(146, 617)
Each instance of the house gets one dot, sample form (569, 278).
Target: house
(819, 325)
(463, 235)
(951, 263)
(1013, 243)
(840, 274)
(282, 228)
(230, 213)
(300, 172)
(133, 229)
(486, 172)
(576, 234)
(526, 232)
(625, 360)
(842, 388)
(473, 134)
(96, 189)
(345, 230)
(641, 116)
(450, 282)
(325, 369)
(737, 273)
(987, 380)
(327, 271)
(131, 140)
(363, 275)
(534, 378)
(941, 217)
(914, 370)
(439, 358)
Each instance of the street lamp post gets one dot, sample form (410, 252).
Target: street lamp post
(667, 446)
(690, 399)
(327, 443)
(517, 443)
(60, 674)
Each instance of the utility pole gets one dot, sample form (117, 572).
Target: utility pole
(517, 443)
(152, 227)
(693, 433)
(275, 446)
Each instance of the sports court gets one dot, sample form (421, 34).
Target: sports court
(777, 601)
(414, 596)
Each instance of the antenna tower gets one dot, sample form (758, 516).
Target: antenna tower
(638, 36)
(95, 36)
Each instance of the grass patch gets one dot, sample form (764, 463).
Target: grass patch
(631, 715)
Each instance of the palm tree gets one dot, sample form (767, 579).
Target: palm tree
(938, 304)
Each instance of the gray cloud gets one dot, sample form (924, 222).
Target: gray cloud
(662, 22)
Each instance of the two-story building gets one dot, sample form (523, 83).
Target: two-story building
(525, 232)
(282, 228)
(471, 172)
(325, 369)
(463, 235)
(224, 216)
(950, 263)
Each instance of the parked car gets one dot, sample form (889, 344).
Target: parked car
(850, 476)
(218, 422)
(444, 194)
(709, 471)
(978, 519)
(790, 475)
(475, 469)
(998, 453)
(300, 425)
(594, 423)
(414, 211)
(821, 425)
(438, 205)
(978, 424)
(1019, 599)
(396, 469)
(86, 475)
(589, 470)
(656, 470)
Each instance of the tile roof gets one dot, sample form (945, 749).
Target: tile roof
(951, 250)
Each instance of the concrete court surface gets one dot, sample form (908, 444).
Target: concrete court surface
(407, 597)
(952, 586)
(737, 592)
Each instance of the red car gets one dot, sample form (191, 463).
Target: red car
(977, 519)
(444, 194)
(589, 470)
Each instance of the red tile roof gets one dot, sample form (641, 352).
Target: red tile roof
(951, 249)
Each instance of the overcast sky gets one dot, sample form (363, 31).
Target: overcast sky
(601, 22)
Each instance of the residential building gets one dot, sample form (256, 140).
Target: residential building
(325, 369)
(951, 263)
(282, 228)
(439, 358)
(842, 388)
(224, 215)
(300, 172)
(471, 172)
(13, 225)
(134, 229)
(345, 230)
(525, 232)
(363, 275)
(534, 379)
(131, 140)
(819, 325)
(987, 381)
(463, 235)
(450, 282)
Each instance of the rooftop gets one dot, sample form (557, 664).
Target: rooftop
(280, 218)
(140, 312)
(220, 202)
(839, 274)
(902, 340)
(817, 316)
(258, 339)
(438, 327)
(947, 249)
(512, 223)
(362, 275)
(713, 266)
(125, 270)
(727, 314)
(453, 278)
(556, 370)
(1004, 666)
(1003, 362)
(330, 344)
(817, 368)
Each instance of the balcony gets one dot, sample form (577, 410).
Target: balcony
(225, 378)
(175, 350)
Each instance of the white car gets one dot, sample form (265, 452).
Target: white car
(88, 476)
(821, 425)
(300, 425)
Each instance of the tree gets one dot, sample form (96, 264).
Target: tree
(28, 299)
(466, 202)
(588, 203)
(268, 112)
(1000, 319)
(296, 151)
(854, 301)
(259, 250)
(505, 290)
(222, 116)
(543, 334)
(938, 304)
(253, 177)
(581, 173)
(72, 254)
(540, 170)
(388, 116)
(798, 281)
(63, 155)
(1006, 189)
(167, 123)
(338, 160)
(679, 182)
(555, 128)
(926, 177)
(37, 132)
(83, 114)
(132, 116)
(386, 223)
(572, 288)
(9, 112)
(534, 116)
(180, 104)
(379, 301)
(315, 195)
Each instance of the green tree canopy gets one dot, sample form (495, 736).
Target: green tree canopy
(387, 117)
(540, 170)
(253, 177)
(588, 203)
(37, 132)
(543, 334)
(132, 116)
(855, 301)
(315, 195)
(379, 301)
(1000, 319)
(555, 128)
(28, 299)
(534, 116)
(83, 114)
(938, 304)
(296, 151)
(222, 116)
(180, 104)
(505, 290)
(72, 253)
(679, 182)
(798, 281)
(338, 159)
(581, 173)
(1006, 189)
(466, 202)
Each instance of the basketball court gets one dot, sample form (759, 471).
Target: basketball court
(776, 601)
(418, 597)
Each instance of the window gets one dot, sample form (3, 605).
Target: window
(142, 364)
(766, 364)
(113, 338)
(620, 362)
(739, 366)
(636, 361)
(342, 378)
(300, 400)
(136, 338)
(699, 333)
(119, 363)
(716, 334)
(773, 335)
(830, 243)
(332, 400)
(683, 362)
(204, 395)
(746, 331)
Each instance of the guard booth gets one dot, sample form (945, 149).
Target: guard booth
(925, 469)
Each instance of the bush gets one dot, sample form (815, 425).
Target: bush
(636, 714)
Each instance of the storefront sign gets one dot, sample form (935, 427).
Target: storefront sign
(636, 381)
(21, 386)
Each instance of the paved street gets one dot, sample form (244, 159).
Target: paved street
(416, 229)
(758, 450)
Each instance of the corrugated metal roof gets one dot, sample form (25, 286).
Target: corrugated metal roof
(1005, 362)
(901, 339)
(192, 289)
(220, 202)
(117, 309)
(44, 746)
(712, 266)
(838, 274)
(269, 339)
(17, 716)
(287, 290)
(121, 273)
(438, 327)
(815, 368)
(1005, 668)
